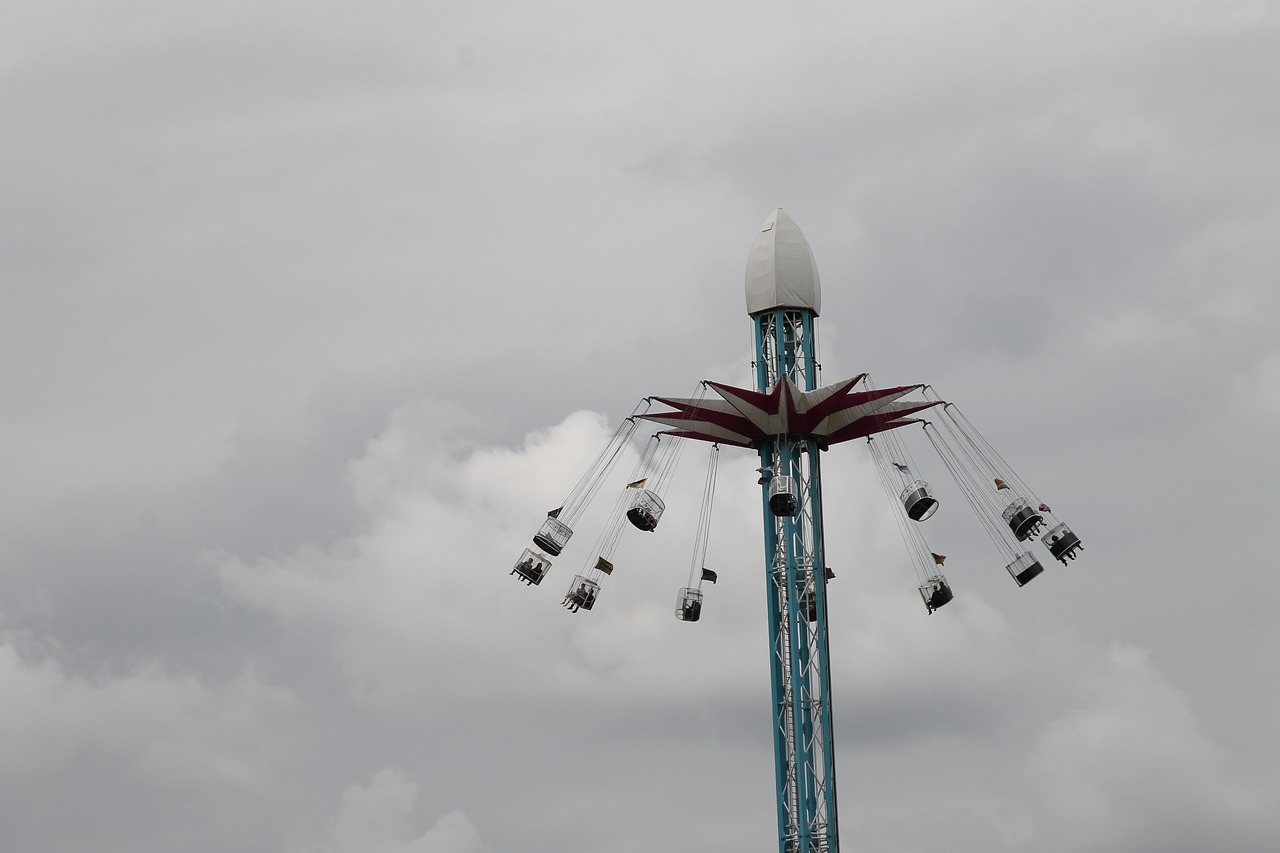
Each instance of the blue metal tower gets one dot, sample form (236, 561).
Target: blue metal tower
(799, 664)
(788, 419)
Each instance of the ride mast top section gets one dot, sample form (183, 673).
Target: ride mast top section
(783, 297)
(781, 271)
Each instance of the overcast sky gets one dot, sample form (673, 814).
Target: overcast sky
(311, 310)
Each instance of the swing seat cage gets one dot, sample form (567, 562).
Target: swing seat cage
(1022, 519)
(809, 603)
(582, 594)
(918, 500)
(646, 509)
(935, 592)
(1062, 543)
(689, 604)
(532, 567)
(552, 536)
(1024, 567)
(782, 495)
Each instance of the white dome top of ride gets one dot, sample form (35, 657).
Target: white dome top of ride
(781, 272)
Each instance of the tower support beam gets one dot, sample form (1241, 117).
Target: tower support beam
(797, 608)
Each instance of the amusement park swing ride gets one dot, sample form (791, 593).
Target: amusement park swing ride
(789, 420)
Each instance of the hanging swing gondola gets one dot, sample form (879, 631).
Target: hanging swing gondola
(936, 592)
(689, 599)
(689, 604)
(640, 506)
(808, 602)
(1023, 521)
(553, 535)
(582, 594)
(1024, 567)
(532, 567)
(557, 528)
(1011, 512)
(657, 465)
(646, 510)
(918, 501)
(918, 504)
(1062, 543)
(782, 496)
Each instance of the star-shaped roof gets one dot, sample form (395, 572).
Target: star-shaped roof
(831, 414)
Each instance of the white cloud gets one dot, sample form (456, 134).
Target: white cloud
(235, 236)
(160, 728)
(378, 818)
(1133, 770)
(445, 521)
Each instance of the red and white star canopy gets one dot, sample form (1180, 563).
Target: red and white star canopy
(831, 414)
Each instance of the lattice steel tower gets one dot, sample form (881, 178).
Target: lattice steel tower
(788, 419)
(784, 313)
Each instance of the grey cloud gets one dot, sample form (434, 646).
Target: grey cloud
(298, 300)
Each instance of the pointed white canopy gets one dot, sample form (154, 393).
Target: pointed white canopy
(781, 272)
